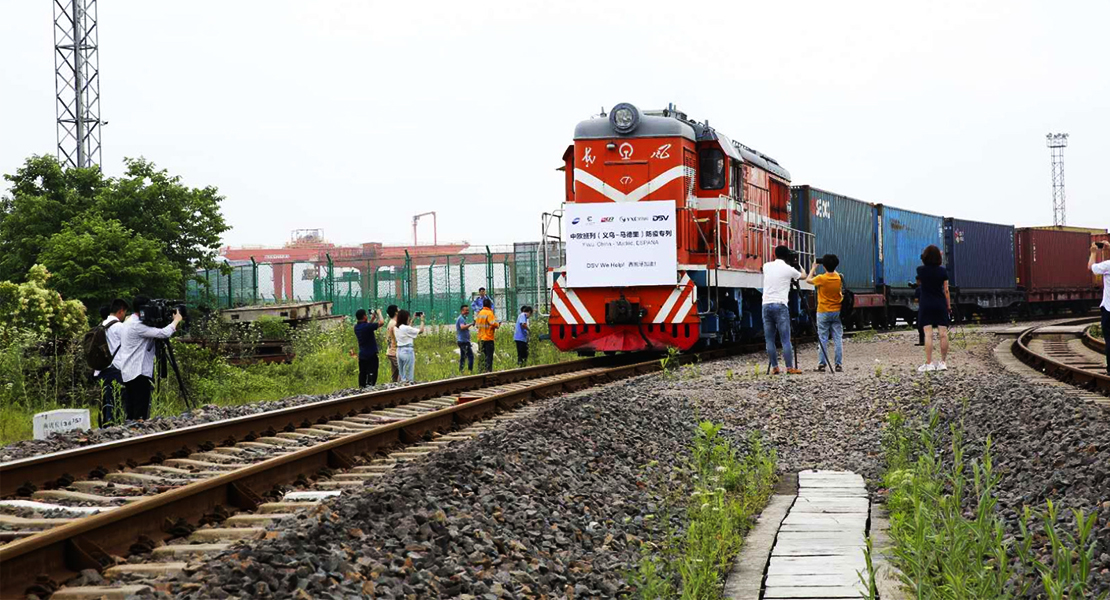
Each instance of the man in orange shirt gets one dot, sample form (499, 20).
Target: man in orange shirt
(829, 298)
(487, 325)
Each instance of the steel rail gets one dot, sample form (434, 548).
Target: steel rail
(46, 470)
(91, 542)
(1081, 378)
(1093, 342)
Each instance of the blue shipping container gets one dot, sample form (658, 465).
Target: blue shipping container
(980, 256)
(842, 226)
(903, 236)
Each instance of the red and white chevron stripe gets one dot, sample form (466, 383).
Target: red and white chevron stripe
(679, 303)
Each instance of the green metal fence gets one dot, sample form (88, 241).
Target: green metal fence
(435, 284)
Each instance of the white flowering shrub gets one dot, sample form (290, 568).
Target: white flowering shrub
(32, 309)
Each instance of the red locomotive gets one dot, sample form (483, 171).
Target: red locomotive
(667, 224)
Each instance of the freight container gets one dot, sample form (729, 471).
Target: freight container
(1091, 230)
(1053, 263)
(842, 226)
(904, 234)
(980, 256)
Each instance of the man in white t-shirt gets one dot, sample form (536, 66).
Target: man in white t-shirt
(1102, 268)
(777, 276)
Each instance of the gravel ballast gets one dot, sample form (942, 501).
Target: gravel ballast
(560, 502)
(557, 504)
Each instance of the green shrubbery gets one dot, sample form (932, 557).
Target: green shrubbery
(41, 375)
(951, 543)
(727, 488)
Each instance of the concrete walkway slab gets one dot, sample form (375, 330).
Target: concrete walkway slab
(819, 551)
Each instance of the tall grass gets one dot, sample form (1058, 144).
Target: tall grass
(325, 362)
(728, 488)
(951, 543)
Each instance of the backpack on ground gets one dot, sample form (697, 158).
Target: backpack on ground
(95, 345)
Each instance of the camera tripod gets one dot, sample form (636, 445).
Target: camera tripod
(795, 293)
(164, 353)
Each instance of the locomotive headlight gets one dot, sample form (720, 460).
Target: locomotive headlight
(624, 117)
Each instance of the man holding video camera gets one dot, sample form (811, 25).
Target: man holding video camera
(135, 358)
(777, 277)
(829, 298)
(1102, 268)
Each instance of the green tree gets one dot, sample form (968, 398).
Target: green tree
(150, 204)
(95, 259)
(43, 197)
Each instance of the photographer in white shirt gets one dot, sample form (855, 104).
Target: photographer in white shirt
(110, 378)
(135, 359)
(777, 277)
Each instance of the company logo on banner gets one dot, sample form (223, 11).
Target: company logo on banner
(618, 244)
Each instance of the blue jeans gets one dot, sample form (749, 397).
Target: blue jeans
(776, 317)
(827, 321)
(406, 362)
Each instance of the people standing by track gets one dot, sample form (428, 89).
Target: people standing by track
(935, 306)
(110, 379)
(520, 335)
(1102, 268)
(829, 287)
(135, 359)
(487, 324)
(920, 328)
(479, 302)
(367, 346)
(462, 338)
(777, 277)
(391, 343)
(405, 335)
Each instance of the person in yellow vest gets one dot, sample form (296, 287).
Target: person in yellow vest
(829, 299)
(487, 325)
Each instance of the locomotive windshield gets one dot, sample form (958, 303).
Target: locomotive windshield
(711, 168)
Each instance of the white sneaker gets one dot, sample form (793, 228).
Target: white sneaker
(926, 368)
(941, 366)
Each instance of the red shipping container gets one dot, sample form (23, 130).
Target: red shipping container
(1050, 259)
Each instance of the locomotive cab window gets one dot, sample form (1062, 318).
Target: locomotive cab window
(711, 169)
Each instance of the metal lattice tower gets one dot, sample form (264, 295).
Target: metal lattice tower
(1056, 143)
(77, 82)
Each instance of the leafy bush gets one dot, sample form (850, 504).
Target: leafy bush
(272, 328)
(32, 309)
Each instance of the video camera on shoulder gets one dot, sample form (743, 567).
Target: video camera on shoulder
(159, 312)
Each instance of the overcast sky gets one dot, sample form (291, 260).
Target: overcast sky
(351, 116)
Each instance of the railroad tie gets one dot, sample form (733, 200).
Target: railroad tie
(99, 592)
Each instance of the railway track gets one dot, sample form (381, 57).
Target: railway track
(212, 484)
(1066, 351)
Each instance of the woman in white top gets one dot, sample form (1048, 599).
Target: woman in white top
(406, 334)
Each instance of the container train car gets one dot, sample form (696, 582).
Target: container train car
(668, 223)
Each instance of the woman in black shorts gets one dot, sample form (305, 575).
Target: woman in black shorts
(934, 306)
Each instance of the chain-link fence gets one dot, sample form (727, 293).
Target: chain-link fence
(436, 284)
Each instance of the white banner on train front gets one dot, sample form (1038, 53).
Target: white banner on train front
(618, 244)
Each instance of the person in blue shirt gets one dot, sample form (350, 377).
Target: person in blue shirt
(367, 347)
(520, 335)
(478, 303)
(462, 336)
